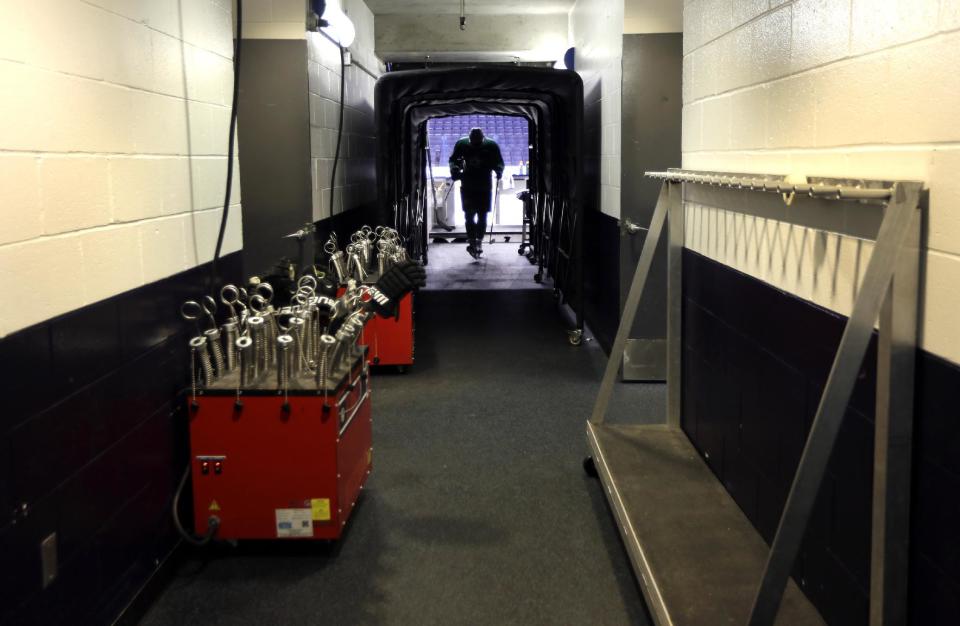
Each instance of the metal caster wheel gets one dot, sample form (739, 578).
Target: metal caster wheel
(401, 369)
(538, 278)
(575, 337)
(589, 467)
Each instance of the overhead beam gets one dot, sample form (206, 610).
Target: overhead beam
(529, 37)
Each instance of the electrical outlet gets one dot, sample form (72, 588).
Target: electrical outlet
(48, 559)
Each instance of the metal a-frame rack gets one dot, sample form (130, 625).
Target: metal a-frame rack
(697, 557)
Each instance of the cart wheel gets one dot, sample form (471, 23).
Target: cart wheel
(589, 467)
(520, 250)
(401, 369)
(538, 278)
(575, 337)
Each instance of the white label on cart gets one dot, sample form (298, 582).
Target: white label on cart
(294, 523)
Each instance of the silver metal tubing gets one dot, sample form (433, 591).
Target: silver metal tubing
(297, 330)
(230, 335)
(327, 344)
(258, 334)
(888, 291)
(340, 350)
(199, 346)
(285, 354)
(339, 264)
(272, 329)
(366, 253)
(308, 339)
(216, 349)
(775, 185)
(896, 354)
(246, 361)
(193, 370)
(675, 234)
(895, 230)
(347, 335)
(358, 269)
(314, 331)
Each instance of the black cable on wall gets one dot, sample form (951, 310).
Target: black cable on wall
(336, 154)
(214, 522)
(214, 279)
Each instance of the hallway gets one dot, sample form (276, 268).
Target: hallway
(500, 267)
(477, 511)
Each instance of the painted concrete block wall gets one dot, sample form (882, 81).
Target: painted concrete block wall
(114, 117)
(652, 16)
(274, 19)
(859, 88)
(596, 31)
(355, 185)
(356, 171)
(539, 37)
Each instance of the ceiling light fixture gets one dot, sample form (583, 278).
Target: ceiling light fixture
(326, 16)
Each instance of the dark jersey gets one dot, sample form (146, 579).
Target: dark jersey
(476, 163)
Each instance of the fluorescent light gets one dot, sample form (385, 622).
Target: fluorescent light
(338, 26)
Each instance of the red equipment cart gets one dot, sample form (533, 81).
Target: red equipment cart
(292, 467)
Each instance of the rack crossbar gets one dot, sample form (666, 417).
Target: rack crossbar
(777, 185)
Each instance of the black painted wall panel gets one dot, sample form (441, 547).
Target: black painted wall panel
(755, 363)
(274, 129)
(934, 597)
(601, 274)
(6, 476)
(651, 100)
(92, 444)
(81, 357)
(22, 356)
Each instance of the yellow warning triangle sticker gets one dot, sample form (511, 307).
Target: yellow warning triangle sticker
(213, 506)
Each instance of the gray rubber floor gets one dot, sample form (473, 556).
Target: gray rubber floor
(500, 267)
(477, 510)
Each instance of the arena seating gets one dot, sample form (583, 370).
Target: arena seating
(510, 132)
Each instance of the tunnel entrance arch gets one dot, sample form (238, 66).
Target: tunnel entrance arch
(552, 103)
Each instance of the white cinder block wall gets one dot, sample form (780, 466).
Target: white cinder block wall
(114, 117)
(411, 36)
(356, 171)
(274, 19)
(859, 88)
(596, 31)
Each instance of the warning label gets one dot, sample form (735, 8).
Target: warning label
(213, 506)
(294, 523)
(321, 509)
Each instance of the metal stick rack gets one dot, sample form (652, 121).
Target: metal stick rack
(698, 558)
